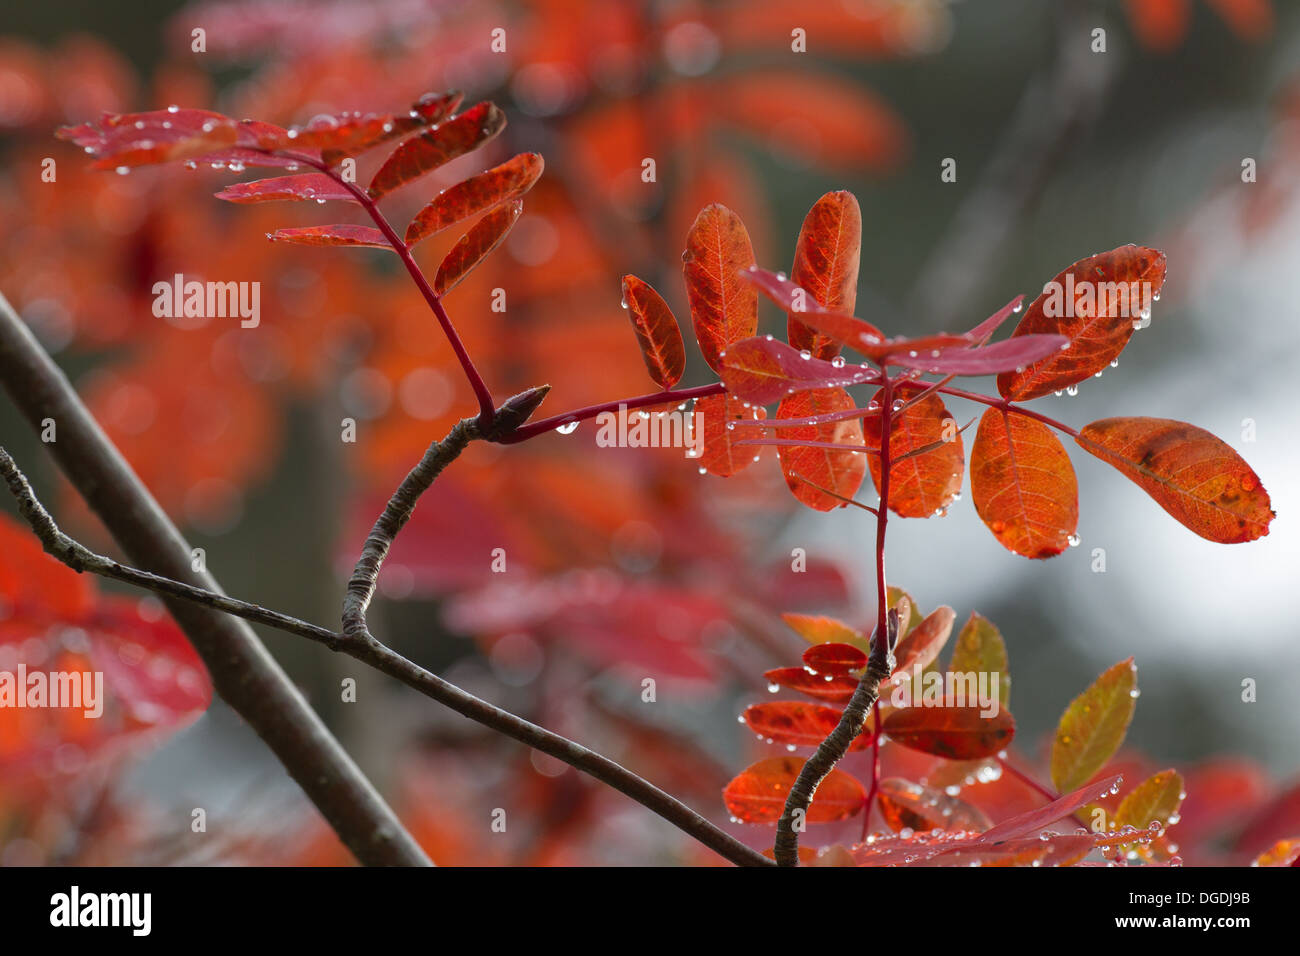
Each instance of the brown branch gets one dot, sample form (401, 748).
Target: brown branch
(363, 647)
(831, 750)
(243, 672)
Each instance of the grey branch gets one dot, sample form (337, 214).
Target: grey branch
(243, 672)
(363, 647)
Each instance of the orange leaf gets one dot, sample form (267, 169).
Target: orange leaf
(1093, 726)
(720, 456)
(1190, 473)
(758, 795)
(800, 724)
(1094, 304)
(337, 235)
(957, 733)
(1281, 853)
(924, 484)
(484, 236)
(441, 144)
(832, 469)
(826, 261)
(904, 804)
(487, 190)
(1023, 485)
(724, 308)
(656, 332)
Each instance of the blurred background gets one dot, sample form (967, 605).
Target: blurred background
(626, 564)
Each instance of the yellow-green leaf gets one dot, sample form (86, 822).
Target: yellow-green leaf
(981, 650)
(1154, 800)
(1093, 727)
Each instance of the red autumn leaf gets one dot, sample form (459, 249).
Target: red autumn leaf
(1093, 303)
(1035, 820)
(836, 690)
(471, 249)
(121, 140)
(1060, 850)
(921, 645)
(810, 470)
(724, 309)
(303, 187)
(763, 370)
(802, 725)
(1002, 356)
(1023, 485)
(487, 190)
(837, 326)
(1190, 473)
(721, 457)
(923, 484)
(826, 261)
(909, 805)
(834, 658)
(341, 234)
(434, 147)
(994, 322)
(758, 794)
(956, 733)
(365, 133)
(656, 331)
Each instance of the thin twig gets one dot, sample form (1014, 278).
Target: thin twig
(363, 647)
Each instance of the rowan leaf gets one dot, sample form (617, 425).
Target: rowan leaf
(758, 794)
(1023, 485)
(796, 723)
(721, 457)
(473, 247)
(819, 629)
(1154, 800)
(762, 370)
(1193, 475)
(124, 140)
(826, 259)
(834, 658)
(434, 147)
(341, 234)
(364, 133)
(1033, 821)
(980, 649)
(955, 733)
(303, 187)
(724, 308)
(1094, 303)
(808, 470)
(923, 484)
(986, 360)
(656, 331)
(489, 189)
(921, 646)
(1281, 853)
(907, 805)
(840, 327)
(1093, 726)
(836, 690)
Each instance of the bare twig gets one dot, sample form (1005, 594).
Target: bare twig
(243, 672)
(363, 647)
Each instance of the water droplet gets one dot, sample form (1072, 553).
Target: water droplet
(567, 428)
(123, 170)
(1074, 540)
(173, 108)
(805, 354)
(837, 362)
(1072, 390)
